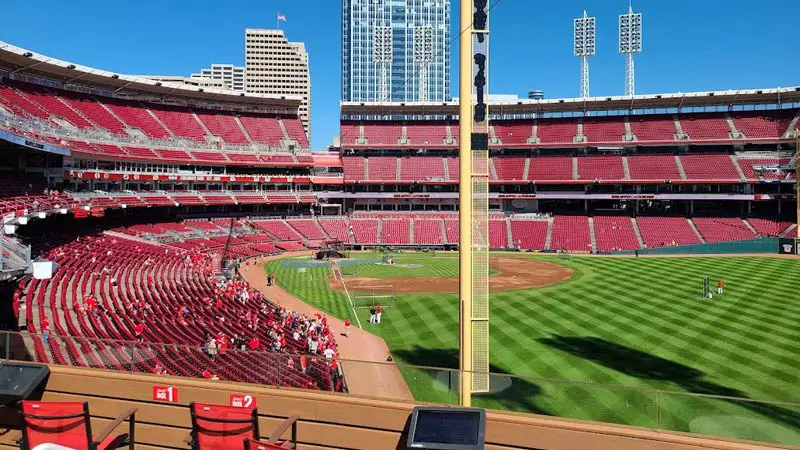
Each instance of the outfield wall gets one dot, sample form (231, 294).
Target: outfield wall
(762, 245)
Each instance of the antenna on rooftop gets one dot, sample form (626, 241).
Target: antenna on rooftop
(584, 34)
(630, 43)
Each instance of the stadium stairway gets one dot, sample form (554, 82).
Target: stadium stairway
(446, 168)
(625, 168)
(379, 235)
(527, 169)
(790, 232)
(592, 236)
(749, 227)
(509, 234)
(411, 231)
(575, 174)
(549, 238)
(444, 229)
(202, 125)
(696, 231)
(160, 122)
(243, 129)
(638, 233)
(680, 167)
(736, 165)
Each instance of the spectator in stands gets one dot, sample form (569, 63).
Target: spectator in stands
(329, 353)
(45, 332)
(211, 349)
(138, 331)
(254, 344)
(304, 363)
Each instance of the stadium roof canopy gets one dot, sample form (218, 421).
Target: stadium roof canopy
(572, 105)
(18, 61)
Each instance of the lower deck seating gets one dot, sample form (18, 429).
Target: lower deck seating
(571, 233)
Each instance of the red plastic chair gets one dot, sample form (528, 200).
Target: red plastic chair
(261, 445)
(218, 427)
(68, 424)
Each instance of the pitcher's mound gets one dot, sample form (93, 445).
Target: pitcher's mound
(512, 273)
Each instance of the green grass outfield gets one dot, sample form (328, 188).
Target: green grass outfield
(618, 324)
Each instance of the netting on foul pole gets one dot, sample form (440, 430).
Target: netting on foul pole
(480, 198)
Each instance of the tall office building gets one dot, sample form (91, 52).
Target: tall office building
(273, 65)
(232, 77)
(395, 50)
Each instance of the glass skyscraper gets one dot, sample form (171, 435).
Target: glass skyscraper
(395, 50)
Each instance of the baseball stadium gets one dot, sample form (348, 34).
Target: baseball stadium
(597, 272)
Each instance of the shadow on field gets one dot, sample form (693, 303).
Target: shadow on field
(649, 367)
(517, 394)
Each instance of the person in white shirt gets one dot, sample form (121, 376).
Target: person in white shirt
(329, 353)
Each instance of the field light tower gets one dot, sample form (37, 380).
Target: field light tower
(382, 57)
(584, 48)
(630, 43)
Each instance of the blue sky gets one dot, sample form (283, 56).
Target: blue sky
(688, 45)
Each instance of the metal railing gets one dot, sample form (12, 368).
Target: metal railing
(14, 255)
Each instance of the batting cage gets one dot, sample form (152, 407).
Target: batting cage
(365, 297)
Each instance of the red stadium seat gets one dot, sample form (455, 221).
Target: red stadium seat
(68, 424)
(218, 427)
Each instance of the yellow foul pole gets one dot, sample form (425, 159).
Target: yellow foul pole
(465, 203)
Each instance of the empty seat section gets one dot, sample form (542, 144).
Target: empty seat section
(664, 231)
(396, 232)
(141, 152)
(557, 131)
(350, 132)
(723, 229)
(353, 168)
(209, 156)
(224, 125)
(513, 132)
(426, 133)
(175, 155)
(600, 168)
(498, 234)
(571, 233)
(113, 150)
(529, 234)
(452, 232)
(609, 129)
(336, 228)
(428, 232)
(19, 104)
(763, 124)
(615, 233)
(420, 168)
(365, 231)
(308, 228)
(51, 104)
(653, 128)
(136, 116)
(709, 167)
(769, 227)
(279, 229)
(382, 168)
(243, 157)
(383, 133)
(94, 111)
(452, 169)
(550, 168)
(295, 130)
(266, 130)
(653, 167)
(705, 126)
(181, 121)
(748, 164)
(509, 168)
